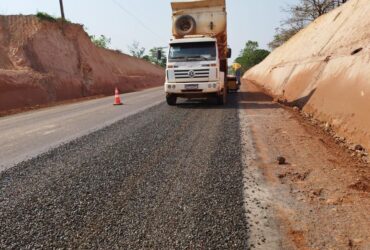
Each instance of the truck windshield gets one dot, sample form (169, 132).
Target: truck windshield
(200, 51)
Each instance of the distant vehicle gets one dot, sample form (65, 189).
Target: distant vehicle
(198, 52)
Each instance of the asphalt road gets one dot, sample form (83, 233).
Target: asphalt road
(26, 135)
(164, 178)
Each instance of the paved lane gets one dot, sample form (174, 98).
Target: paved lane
(26, 135)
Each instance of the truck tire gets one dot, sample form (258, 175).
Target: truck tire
(171, 100)
(224, 95)
(185, 25)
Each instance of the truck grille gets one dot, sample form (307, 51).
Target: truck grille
(192, 74)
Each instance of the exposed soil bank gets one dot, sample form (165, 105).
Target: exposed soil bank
(42, 62)
(324, 69)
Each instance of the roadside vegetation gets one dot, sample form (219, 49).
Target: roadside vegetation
(101, 41)
(46, 17)
(134, 50)
(138, 51)
(251, 55)
(43, 16)
(299, 16)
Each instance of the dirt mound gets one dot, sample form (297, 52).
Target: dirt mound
(324, 69)
(43, 62)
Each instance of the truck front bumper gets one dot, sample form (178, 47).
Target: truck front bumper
(193, 88)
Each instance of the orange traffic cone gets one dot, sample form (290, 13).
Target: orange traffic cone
(117, 98)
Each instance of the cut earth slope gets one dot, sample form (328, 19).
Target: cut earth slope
(42, 62)
(324, 70)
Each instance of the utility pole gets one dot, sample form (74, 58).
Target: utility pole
(62, 10)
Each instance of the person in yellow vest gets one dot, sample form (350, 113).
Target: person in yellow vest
(238, 71)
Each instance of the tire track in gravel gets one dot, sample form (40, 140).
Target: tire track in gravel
(169, 177)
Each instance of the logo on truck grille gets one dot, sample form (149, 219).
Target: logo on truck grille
(191, 74)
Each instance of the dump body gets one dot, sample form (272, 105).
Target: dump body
(210, 20)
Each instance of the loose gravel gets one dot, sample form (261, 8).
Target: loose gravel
(167, 178)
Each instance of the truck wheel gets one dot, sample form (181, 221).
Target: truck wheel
(224, 96)
(171, 100)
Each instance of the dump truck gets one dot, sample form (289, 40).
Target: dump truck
(198, 51)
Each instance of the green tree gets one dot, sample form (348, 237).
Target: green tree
(153, 56)
(102, 41)
(251, 55)
(146, 58)
(139, 52)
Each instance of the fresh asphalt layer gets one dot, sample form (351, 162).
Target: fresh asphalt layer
(164, 178)
(26, 135)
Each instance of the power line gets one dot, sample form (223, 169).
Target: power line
(137, 19)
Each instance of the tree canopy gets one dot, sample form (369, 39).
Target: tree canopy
(152, 56)
(251, 55)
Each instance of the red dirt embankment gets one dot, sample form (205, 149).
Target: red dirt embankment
(325, 69)
(42, 62)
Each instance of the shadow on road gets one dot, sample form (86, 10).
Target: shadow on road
(241, 100)
(255, 100)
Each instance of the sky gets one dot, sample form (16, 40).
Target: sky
(149, 21)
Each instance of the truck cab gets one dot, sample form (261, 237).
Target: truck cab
(193, 69)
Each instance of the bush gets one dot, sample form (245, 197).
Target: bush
(46, 17)
(101, 42)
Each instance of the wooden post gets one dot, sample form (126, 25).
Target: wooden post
(62, 10)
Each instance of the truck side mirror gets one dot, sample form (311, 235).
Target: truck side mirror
(229, 52)
(159, 54)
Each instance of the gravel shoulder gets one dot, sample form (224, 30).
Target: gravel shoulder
(320, 198)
